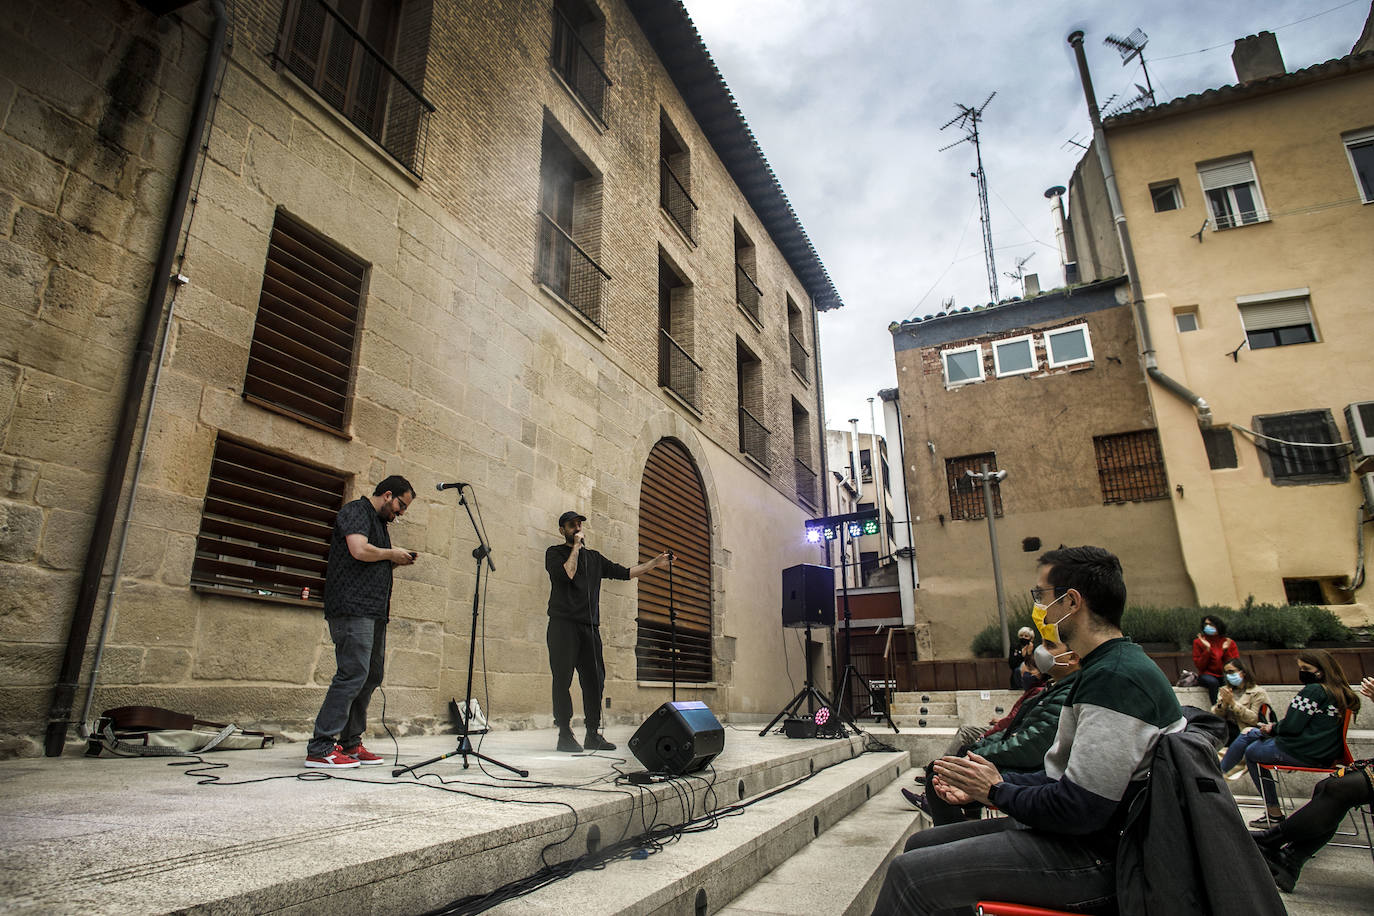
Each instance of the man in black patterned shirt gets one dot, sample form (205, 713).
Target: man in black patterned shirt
(357, 605)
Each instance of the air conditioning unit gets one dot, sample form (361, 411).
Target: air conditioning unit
(1359, 419)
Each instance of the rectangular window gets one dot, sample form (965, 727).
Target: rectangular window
(266, 525)
(753, 435)
(801, 454)
(865, 468)
(747, 292)
(675, 178)
(577, 53)
(965, 492)
(1220, 443)
(1359, 147)
(1015, 356)
(304, 336)
(1186, 320)
(1301, 447)
(677, 370)
(963, 365)
(569, 228)
(1165, 196)
(1068, 346)
(1232, 192)
(1130, 467)
(366, 60)
(796, 336)
(1277, 319)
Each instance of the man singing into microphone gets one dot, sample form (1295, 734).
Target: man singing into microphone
(574, 637)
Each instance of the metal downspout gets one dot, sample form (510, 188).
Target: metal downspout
(64, 692)
(1147, 349)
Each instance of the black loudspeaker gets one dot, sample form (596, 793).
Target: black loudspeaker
(677, 738)
(808, 596)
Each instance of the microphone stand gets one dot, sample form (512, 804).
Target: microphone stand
(672, 624)
(479, 553)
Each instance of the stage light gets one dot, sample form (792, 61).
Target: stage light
(829, 533)
(813, 535)
(855, 529)
(871, 526)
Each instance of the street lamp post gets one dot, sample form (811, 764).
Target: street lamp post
(988, 478)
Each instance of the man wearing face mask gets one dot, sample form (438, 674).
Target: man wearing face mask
(1022, 744)
(1057, 845)
(574, 634)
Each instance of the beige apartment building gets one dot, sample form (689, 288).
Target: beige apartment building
(531, 246)
(1251, 210)
(1049, 391)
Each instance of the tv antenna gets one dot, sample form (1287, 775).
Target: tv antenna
(1019, 275)
(968, 119)
(1075, 140)
(1132, 46)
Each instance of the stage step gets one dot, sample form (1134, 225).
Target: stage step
(703, 871)
(841, 871)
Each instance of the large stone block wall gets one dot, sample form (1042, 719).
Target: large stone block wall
(466, 369)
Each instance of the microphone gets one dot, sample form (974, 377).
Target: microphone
(449, 486)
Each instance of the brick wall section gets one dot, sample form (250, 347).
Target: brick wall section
(466, 369)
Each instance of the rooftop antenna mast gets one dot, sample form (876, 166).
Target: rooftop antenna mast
(1019, 275)
(1132, 46)
(968, 119)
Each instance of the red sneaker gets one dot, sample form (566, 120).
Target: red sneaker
(334, 760)
(363, 755)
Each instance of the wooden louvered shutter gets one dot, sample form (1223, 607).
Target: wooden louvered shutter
(266, 524)
(301, 360)
(673, 515)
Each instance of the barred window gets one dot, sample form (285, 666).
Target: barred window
(266, 524)
(301, 359)
(1130, 467)
(1293, 449)
(965, 492)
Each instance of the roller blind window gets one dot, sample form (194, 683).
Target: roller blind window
(1232, 193)
(1277, 323)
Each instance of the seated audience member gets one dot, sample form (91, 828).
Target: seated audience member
(1290, 843)
(1239, 700)
(1212, 649)
(1057, 845)
(1309, 735)
(1021, 746)
(1019, 660)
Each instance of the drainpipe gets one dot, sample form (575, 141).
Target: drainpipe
(64, 692)
(875, 461)
(1204, 411)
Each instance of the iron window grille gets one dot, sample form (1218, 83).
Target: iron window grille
(265, 525)
(800, 358)
(747, 293)
(1296, 450)
(349, 72)
(677, 371)
(569, 271)
(966, 493)
(674, 199)
(301, 359)
(806, 483)
(1130, 467)
(574, 60)
(753, 436)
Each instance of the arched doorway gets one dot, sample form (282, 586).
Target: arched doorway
(673, 515)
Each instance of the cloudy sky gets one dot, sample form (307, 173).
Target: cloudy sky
(847, 98)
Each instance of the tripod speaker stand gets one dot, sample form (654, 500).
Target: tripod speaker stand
(808, 597)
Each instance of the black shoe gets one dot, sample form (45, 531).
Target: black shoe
(1271, 837)
(1266, 820)
(594, 742)
(917, 801)
(568, 744)
(1284, 865)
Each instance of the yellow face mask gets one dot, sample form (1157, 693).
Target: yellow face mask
(1048, 631)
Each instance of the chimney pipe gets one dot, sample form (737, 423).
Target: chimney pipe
(1257, 57)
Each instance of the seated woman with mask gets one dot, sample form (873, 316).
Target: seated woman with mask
(1239, 700)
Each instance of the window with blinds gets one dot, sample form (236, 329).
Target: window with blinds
(1130, 467)
(301, 359)
(965, 492)
(1232, 192)
(674, 516)
(265, 525)
(1277, 321)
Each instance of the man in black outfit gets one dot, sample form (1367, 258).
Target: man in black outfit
(574, 636)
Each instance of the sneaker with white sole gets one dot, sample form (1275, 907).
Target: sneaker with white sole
(334, 760)
(363, 755)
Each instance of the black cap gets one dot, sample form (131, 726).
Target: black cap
(570, 516)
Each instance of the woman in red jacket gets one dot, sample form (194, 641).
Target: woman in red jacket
(1212, 649)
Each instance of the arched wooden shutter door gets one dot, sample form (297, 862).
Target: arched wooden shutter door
(673, 516)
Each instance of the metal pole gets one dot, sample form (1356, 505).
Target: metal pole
(986, 477)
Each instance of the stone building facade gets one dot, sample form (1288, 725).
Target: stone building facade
(535, 212)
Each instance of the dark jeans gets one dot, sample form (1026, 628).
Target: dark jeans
(1314, 824)
(576, 647)
(359, 655)
(1212, 683)
(949, 869)
(1253, 748)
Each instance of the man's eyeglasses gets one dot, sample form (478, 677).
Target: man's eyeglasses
(1039, 594)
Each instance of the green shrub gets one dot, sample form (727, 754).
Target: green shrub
(1326, 626)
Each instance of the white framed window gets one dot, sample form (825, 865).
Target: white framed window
(1068, 346)
(1014, 356)
(1165, 196)
(963, 365)
(1359, 148)
(1278, 319)
(1186, 320)
(1232, 192)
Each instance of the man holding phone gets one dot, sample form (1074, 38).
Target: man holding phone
(357, 606)
(574, 635)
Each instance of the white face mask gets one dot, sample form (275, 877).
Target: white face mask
(1045, 660)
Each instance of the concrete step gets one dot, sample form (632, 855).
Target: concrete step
(701, 872)
(945, 708)
(910, 720)
(841, 871)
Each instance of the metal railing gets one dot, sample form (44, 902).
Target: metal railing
(677, 371)
(806, 483)
(800, 357)
(753, 436)
(330, 56)
(578, 66)
(747, 292)
(569, 271)
(673, 197)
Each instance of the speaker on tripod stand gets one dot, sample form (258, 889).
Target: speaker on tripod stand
(808, 600)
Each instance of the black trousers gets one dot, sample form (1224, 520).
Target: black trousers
(1311, 827)
(576, 647)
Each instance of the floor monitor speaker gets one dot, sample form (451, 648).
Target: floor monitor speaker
(677, 738)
